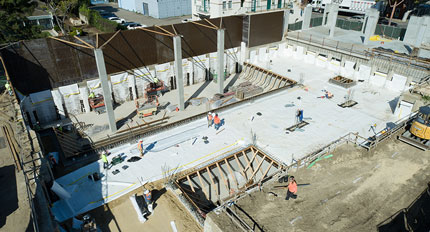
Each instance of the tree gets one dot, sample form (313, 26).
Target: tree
(14, 24)
(396, 3)
(60, 9)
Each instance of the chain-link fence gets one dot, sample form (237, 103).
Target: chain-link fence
(295, 26)
(390, 31)
(349, 25)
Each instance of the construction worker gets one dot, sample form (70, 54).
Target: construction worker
(217, 122)
(299, 116)
(92, 95)
(8, 88)
(210, 119)
(140, 147)
(292, 189)
(105, 160)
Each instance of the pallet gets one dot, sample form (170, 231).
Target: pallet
(347, 104)
(297, 126)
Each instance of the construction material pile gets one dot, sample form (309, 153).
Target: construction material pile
(342, 81)
(245, 90)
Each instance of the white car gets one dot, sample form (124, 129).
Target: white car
(116, 19)
(187, 20)
(131, 25)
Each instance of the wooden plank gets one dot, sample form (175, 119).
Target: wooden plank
(256, 170)
(168, 32)
(204, 25)
(156, 32)
(116, 33)
(223, 178)
(261, 171)
(249, 162)
(267, 170)
(212, 181)
(68, 42)
(231, 172)
(240, 165)
(191, 184)
(203, 186)
(89, 45)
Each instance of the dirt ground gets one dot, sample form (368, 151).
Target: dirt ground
(352, 191)
(15, 209)
(119, 215)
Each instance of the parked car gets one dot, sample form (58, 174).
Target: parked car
(116, 19)
(187, 20)
(106, 14)
(132, 25)
(356, 18)
(385, 22)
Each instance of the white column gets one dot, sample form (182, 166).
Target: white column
(178, 70)
(220, 57)
(101, 67)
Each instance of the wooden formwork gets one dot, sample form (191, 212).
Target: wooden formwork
(212, 184)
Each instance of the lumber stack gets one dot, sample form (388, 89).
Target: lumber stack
(246, 89)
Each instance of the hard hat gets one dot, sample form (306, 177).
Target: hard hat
(209, 112)
(146, 191)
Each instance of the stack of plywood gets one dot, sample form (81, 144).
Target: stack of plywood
(246, 89)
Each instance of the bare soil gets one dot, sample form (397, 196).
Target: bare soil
(352, 191)
(119, 215)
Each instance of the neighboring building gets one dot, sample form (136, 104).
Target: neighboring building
(157, 8)
(351, 6)
(99, 1)
(42, 18)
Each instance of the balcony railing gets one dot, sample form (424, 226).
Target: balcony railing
(264, 8)
(203, 10)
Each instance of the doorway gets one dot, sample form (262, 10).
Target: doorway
(145, 9)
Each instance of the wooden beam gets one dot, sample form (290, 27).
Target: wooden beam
(203, 186)
(97, 40)
(156, 32)
(113, 36)
(212, 181)
(68, 42)
(211, 23)
(231, 172)
(267, 170)
(176, 33)
(191, 184)
(249, 162)
(168, 32)
(262, 173)
(223, 178)
(89, 45)
(240, 165)
(256, 170)
(204, 25)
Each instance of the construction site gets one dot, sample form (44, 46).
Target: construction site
(200, 126)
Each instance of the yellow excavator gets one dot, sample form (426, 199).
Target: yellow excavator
(418, 133)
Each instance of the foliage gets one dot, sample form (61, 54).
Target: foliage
(75, 31)
(14, 25)
(97, 21)
(61, 9)
(425, 98)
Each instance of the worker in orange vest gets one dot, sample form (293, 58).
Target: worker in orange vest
(217, 122)
(140, 147)
(292, 189)
(210, 119)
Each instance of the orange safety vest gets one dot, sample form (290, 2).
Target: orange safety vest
(209, 117)
(292, 187)
(217, 120)
(139, 145)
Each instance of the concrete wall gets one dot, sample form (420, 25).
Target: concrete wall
(158, 8)
(412, 31)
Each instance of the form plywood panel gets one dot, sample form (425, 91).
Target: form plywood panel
(266, 28)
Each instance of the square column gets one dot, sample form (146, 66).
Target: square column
(107, 95)
(178, 70)
(220, 57)
(286, 21)
(371, 22)
(332, 18)
(307, 17)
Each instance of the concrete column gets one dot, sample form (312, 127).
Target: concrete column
(244, 52)
(84, 95)
(333, 18)
(101, 67)
(364, 23)
(326, 9)
(422, 31)
(178, 70)
(286, 21)
(372, 21)
(373, 69)
(132, 84)
(307, 17)
(220, 57)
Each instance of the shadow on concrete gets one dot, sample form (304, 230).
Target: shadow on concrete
(231, 83)
(393, 104)
(197, 93)
(8, 192)
(124, 120)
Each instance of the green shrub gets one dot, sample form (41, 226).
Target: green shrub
(97, 21)
(74, 31)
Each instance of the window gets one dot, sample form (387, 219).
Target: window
(224, 5)
(230, 4)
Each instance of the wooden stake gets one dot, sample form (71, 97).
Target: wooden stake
(191, 184)
(89, 45)
(211, 23)
(212, 181)
(203, 186)
(240, 165)
(258, 167)
(222, 176)
(168, 32)
(249, 162)
(97, 40)
(156, 32)
(68, 42)
(116, 33)
(231, 172)
(176, 33)
(204, 25)
(267, 170)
